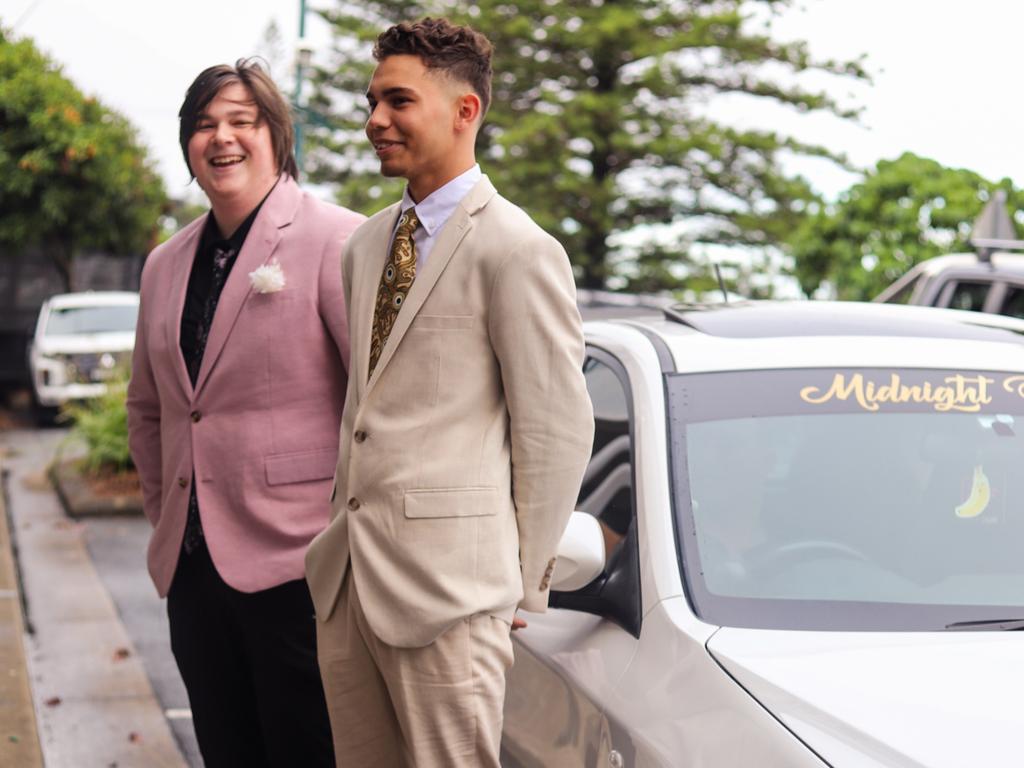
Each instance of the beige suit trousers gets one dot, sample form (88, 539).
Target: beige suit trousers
(440, 705)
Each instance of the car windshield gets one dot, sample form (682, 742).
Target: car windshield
(850, 499)
(98, 319)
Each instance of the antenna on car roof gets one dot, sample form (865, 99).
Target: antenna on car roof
(993, 229)
(721, 284)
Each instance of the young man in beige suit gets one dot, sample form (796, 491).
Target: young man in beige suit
(466, 430)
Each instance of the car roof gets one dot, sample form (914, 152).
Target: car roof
(811, 334)
(754, 319)
(1000, 261)
(93, 299)
(1001, 264)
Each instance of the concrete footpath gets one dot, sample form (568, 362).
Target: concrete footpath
(75, 694)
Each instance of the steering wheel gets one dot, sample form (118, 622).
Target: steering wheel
(798, 552)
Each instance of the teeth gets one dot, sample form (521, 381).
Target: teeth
(226, 160)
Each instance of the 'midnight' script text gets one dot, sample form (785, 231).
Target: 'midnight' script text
(955, 393)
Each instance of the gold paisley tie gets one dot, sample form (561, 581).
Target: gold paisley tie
(399, 272)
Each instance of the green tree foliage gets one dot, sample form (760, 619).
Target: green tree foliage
(73, 175)
(599, 124)
(180, 212)
(904, 211)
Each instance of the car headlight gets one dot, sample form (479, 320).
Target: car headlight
(51, 368)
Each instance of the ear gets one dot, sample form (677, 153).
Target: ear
(467, 111)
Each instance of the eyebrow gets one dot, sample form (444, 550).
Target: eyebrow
(398, 89)
(233, 113)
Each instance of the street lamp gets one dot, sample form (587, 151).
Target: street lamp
(304, 55)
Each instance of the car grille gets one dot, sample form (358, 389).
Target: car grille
(91, 367)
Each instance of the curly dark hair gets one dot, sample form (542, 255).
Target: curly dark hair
(271, 103)
(460, 52)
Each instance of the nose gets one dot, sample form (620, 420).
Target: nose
(223, 133)
(378, 119)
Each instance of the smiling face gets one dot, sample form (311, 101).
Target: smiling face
(422, 124)
(232, 155)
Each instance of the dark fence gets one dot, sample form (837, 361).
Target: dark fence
(29, 277)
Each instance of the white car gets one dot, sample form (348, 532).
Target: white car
(81, 339)
(800, 543)
(963, 281)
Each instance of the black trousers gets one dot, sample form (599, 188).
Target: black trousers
(249, 665)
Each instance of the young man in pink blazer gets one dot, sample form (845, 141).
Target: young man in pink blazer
(238, 382)
(466, 431)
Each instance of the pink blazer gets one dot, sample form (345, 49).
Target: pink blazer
(261, 425)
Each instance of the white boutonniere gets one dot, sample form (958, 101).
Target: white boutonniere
(268, 279)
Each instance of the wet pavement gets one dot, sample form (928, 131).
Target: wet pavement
(95, 704)
(117, 547)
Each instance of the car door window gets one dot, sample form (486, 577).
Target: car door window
(969, 296)
(607, 488)
(1013, 303)
(903, 295)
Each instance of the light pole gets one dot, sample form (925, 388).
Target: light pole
(304, 53)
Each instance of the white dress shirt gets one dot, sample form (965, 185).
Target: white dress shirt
(434, 210)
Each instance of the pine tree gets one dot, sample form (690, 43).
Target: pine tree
(598, 124)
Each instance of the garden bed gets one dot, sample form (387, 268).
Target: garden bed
(86, 494)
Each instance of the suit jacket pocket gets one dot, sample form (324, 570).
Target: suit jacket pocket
(451, 502)
(442, 322)
(300, 466)
(274, 302)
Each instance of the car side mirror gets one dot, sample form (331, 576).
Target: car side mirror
(581, 555)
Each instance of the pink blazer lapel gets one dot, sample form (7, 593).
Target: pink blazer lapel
(260, 245)
(181, 268)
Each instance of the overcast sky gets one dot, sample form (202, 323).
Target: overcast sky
(944, 71)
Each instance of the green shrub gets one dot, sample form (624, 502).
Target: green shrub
(102, 424)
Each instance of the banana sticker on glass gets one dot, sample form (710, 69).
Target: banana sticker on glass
(979, 497)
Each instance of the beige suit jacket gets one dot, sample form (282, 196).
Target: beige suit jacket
(460, 458)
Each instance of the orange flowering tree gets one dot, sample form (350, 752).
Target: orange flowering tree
(73, 174)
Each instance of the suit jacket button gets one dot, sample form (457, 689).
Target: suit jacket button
(195, 416)
(359, 436)
(182, 482)
(353, 503)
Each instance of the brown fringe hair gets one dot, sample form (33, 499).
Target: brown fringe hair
(272, 106)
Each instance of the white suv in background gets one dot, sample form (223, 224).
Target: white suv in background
(990, 280)
(81, 340)
(963, 281)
